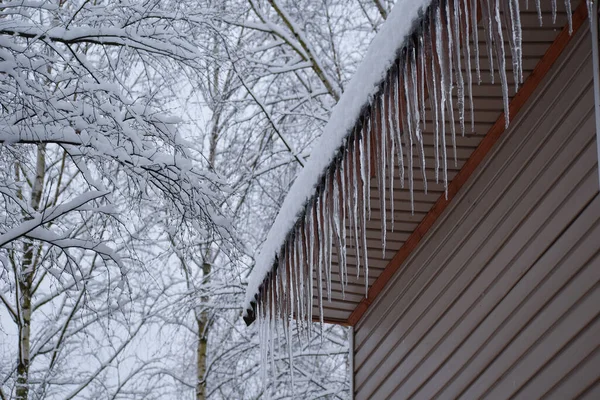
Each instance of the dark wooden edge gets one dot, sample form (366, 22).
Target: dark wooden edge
(488, 142)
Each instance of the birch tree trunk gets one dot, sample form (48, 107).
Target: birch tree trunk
(25, 283)
(202, 320)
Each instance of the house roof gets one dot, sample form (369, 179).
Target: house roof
(363, 86)
(392, 74)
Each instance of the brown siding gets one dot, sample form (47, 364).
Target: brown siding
(503, 297)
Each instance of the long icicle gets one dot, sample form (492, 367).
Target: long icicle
(272, 324)
(361, 146)
(466, 28)
(351, 205)
(415, 113)
(390, 148)
(299, 294)
(512, 38)
(368, 157)
(341, 250)
(330, 233)
(311, 251)
(449, 82)
(458, 70)
(442, 61)
(319, 243)
(343, 219)
(432, 90)
(301, 266)
(326, 238)
(489, 37)
(397, 130)
(355, 191)
(501, 56)
(516, 17)
(474, 13)
(407, 117)
(382, 145)
(421, 54)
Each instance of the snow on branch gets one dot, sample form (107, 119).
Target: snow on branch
(36, 220)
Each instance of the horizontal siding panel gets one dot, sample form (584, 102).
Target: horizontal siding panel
(519, 304)
(587, 383)
(560, 320)
(582, 349)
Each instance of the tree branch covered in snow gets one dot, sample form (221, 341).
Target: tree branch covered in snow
(145, 147)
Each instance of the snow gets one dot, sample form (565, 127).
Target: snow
(359, 92)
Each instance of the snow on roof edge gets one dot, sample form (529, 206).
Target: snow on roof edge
(380, 57)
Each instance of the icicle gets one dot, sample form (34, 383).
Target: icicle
(449, 99)
(291, 354)
(299, 294)
(306, 283)
(341, 249)
(355, 190)
(569, 15)
(292, 282)
(467, 56)
(364, 159)
(397, 131)
(539, 11)
(458, 69)
(554, 11)
(325, 237)
(432, 90)
(319, 239)
(391, 146)
(382, 170)
(501, 56)
(261, 342)
(272, 324)
(343, 218)
(406, 112)
(361, 146)
(384, 152)
(298, 245)
(368, 160)
(329, 233)
(311, 252)
(487, 26)
(516, 17)
(415, 105)
(507, 13)
(474, 13)
(277, 307)
(351, 205)
(442, 62)
(421, 53)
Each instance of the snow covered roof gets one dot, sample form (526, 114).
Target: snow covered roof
(365, 84)
(419, 55)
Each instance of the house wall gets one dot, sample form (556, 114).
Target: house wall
(503, 298)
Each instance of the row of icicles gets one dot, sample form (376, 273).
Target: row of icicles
(390, 130)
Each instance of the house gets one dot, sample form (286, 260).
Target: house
(452, 221)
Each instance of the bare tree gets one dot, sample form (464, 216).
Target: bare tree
(116, 246)
(91, 159)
